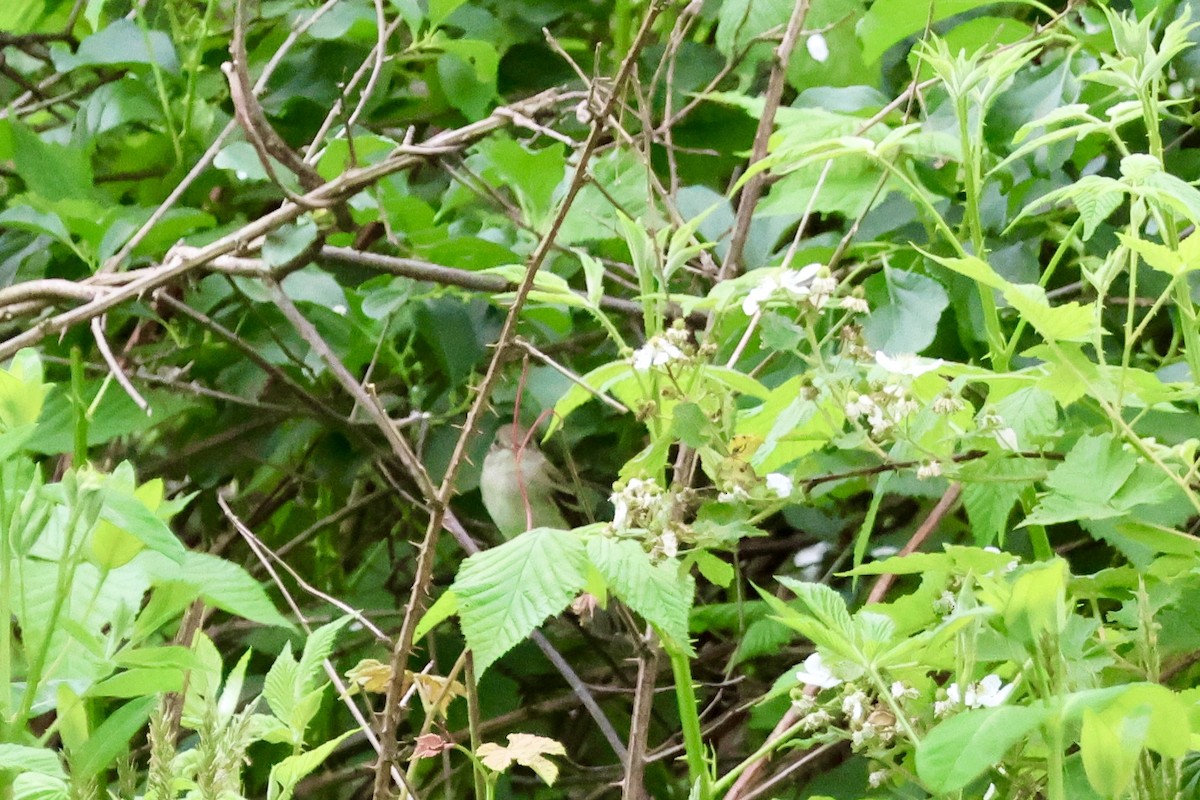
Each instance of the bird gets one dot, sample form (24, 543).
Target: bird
(518, 484)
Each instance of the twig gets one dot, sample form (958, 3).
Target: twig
(114, 367)
(633, 787)
(343, 694)
(344, 186)
(440, 501)
(612, 403)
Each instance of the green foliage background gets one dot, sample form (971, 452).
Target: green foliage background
(1007, 186)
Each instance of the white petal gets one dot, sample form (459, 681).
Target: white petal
(818, 48)
(781, 485)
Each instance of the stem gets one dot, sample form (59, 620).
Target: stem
(997, 351)
(475, 722)
(772, 744)
(1055, 765)
(6, 550)
(689, 719)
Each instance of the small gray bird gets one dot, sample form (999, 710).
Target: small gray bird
(519, 485)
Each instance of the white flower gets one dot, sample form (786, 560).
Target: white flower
(901, 690)
(907, 364)
(854, 706)
(817, 47)
(737, 494)
(947, 404)
(1007, 438)
(815, 673)
(794, 282)
(757, 296)
(817, 720)
(669, 544)
(877, 778)
(339, 309)
(638, 505)
(930, 469)
(656, 353)
(780, 485)
(859, 406)
(812, 555)
(856, 304)
(989, 692)
(991, 792)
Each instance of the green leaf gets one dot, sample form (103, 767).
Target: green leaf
(285, 243)
(715, 570)
(962, 748)
(974, 268)
(505, 593)
(905, 310)
(129, 513)
(35, 786)
(439, 10)
(826, 605)
(139, 682)
(20, 758)
(286, 774)
(1099, 479)
(1069, 322)
(660, 593)
(467, 71)
(220, 583)
(112, 737)
(1037, 603)
(121, 44)
(889, 22)
(29, 219)
(51, 170)
(317, 648)
(1109, 765)
(599, 381)
(442, 609)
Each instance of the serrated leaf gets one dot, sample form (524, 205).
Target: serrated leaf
(1069, 322)
(659, 593)
(442, 609)
(21, 758)
(291, 770)
(317, 648)
(505, 593)
(825, 605)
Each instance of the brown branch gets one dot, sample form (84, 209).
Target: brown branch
(342, 187)
(633, 787)
(263, 138)
(762, 136)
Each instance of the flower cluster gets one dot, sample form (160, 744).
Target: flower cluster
(671, 346)
(988, 692)
(811, 284)
(884, 409)
(640, 503)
